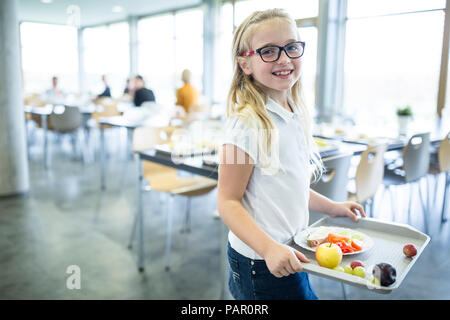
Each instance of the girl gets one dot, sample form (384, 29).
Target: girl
(264, 170)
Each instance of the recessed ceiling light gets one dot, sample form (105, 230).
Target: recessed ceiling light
(47, 1)
(117, 9)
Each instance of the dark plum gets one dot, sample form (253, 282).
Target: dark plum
(385, 272)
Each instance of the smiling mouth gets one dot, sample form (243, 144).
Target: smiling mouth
(283, 73)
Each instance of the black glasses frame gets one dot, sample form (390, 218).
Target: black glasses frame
(283, 48)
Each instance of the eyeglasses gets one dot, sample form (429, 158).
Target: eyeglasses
(293, 50)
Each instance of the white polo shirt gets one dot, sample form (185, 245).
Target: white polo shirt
(277, 202)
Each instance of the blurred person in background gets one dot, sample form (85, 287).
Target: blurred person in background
(128, 92)
(141, 93)
(187, 95)
(55, 93)
(107, 91)
(128, 87)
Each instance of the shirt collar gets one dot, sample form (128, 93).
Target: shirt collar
(282, 112)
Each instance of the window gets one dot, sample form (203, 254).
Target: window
(156, 56)
(49, 50)
(162, 56)
(309, 65)
(223, 70)
(106, 52)
(364, 8)
(189, 46)
(391, 61)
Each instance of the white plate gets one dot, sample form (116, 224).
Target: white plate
(367, 242)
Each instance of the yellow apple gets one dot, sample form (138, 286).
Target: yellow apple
(328, 255)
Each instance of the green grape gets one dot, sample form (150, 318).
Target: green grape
(339, 268)
(375, 281)
(358, 237)
(359, 272)
(348, 269)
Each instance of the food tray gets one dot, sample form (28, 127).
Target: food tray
(389, 239)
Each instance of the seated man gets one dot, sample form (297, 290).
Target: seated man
(141, 93)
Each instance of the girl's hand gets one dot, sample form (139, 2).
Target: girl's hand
(282, 260)
(347, 209)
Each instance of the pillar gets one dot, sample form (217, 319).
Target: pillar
(14, 178)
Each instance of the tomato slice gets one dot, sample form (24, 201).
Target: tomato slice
(333, 238)
(357, 245)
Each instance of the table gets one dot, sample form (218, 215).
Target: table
(438, 132)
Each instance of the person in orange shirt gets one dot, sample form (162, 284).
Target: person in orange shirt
(187, 95)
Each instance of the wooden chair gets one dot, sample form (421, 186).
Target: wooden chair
(442, 165)
(416, 159)
(109, 109)
(161, 178)
(35, 100)
(369, 175)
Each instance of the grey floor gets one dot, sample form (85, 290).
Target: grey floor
(66, 220)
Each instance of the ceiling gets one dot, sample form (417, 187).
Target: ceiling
(93, 12)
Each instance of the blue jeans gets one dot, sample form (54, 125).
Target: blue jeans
(252, 280)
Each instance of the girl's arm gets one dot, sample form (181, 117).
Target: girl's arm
(319, 203)
(281, 260)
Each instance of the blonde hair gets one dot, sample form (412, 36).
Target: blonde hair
(247, 99)
(186, 76)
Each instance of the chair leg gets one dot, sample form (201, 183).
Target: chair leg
(391, 193)
(187, 218)
(428, 195)
(140, 219)
(123, 175)
(383, 194)
(436, 186)
(133, 231)
(444, 201)
(424, 209)
(372, 205)
(169, 232)
(74, 137)
(82, 144)
(409, 202)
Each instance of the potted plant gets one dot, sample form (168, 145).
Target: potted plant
(404, 115)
